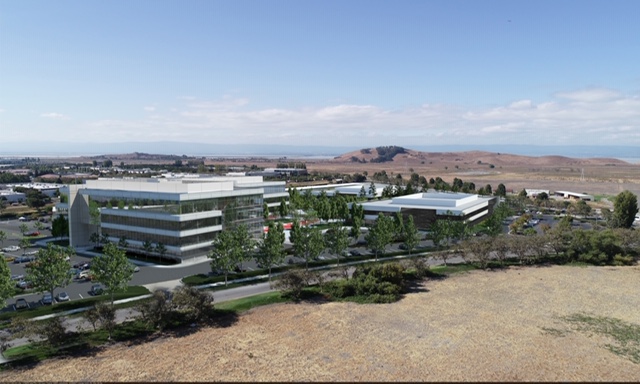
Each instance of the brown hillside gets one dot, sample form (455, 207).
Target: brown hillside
(472, 157)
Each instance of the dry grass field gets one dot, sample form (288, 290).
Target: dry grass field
(503, 325)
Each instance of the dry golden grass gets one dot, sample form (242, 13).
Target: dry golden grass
(477, 326)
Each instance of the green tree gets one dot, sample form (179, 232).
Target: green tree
(51, 270)
(336, 239)
(271, 247)
(147, 246)
(60, 227)
(411, 235)
(112, 269)
(223, 256)
(309, 244)
(24, 244)
(380, 234)
(501, 190)
(244, 242)
(23, 228)
(372, 190)
(363, 193)
(265, 211)
(161, 249)
(3, 236)
(6, 284)
(284, 208)
(625, 208)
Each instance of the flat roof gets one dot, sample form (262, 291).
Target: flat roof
(441, 202)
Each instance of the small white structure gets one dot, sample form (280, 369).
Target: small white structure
(574, 195)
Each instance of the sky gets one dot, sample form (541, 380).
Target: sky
(330, 73)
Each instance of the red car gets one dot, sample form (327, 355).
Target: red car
(34, 233)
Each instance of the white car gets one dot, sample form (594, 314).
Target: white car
(11, 248)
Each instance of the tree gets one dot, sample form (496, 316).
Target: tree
(51, 270)
(308, 244)
(372, 190)
(363, 193)
(24, 244)
(265, 211)
(284, 208)
(625, 208)
(60, 227)
(411, 235)
(271, 247)
(192, 301)
(147, 246)
(157, 310)
(223, 257)
(337, 239)
(3, 236)
(23, 228)
(112, 269)
(501, 190)
(380, 234)
(6, 284)
(160, 249)
(123, 243)
(245, 244)
(479, 250)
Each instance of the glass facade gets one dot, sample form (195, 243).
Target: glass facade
(160, 224)
(236, 210)
(166, 240)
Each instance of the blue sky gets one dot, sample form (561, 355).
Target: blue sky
(358, 73)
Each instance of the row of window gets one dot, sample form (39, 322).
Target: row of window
(161, 224)
(166, 240)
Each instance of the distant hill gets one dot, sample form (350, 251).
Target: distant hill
(408, 156)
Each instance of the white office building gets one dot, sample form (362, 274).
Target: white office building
(183, 214)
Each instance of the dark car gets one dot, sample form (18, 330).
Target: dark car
(32, 233)
(96, 289)
(21, 304)
(47, 299)
(82, 265)
(355, 252)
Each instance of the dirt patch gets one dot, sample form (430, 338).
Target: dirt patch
(477, 326)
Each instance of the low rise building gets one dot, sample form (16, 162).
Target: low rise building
(427, 207)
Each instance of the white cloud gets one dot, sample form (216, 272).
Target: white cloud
(590, 95)
(150, 109)
(55, 116)
(592, 116)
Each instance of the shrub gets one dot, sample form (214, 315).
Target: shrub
(194, 303)
(156, 312)
(291, 283)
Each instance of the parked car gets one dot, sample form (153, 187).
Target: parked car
(82, 265)
(136, 268)
(11, 248)
(403, 246)
(84, 275)
(24, 259)
(355, 252)
(24, 284)
(96, 289)
(21, 304)
(32, 233)
(62, 296)
(17, 277)
(47, 299)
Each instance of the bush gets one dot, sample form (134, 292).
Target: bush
(194, 303)
(371, 284)
(156, 312)
(291, 283)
